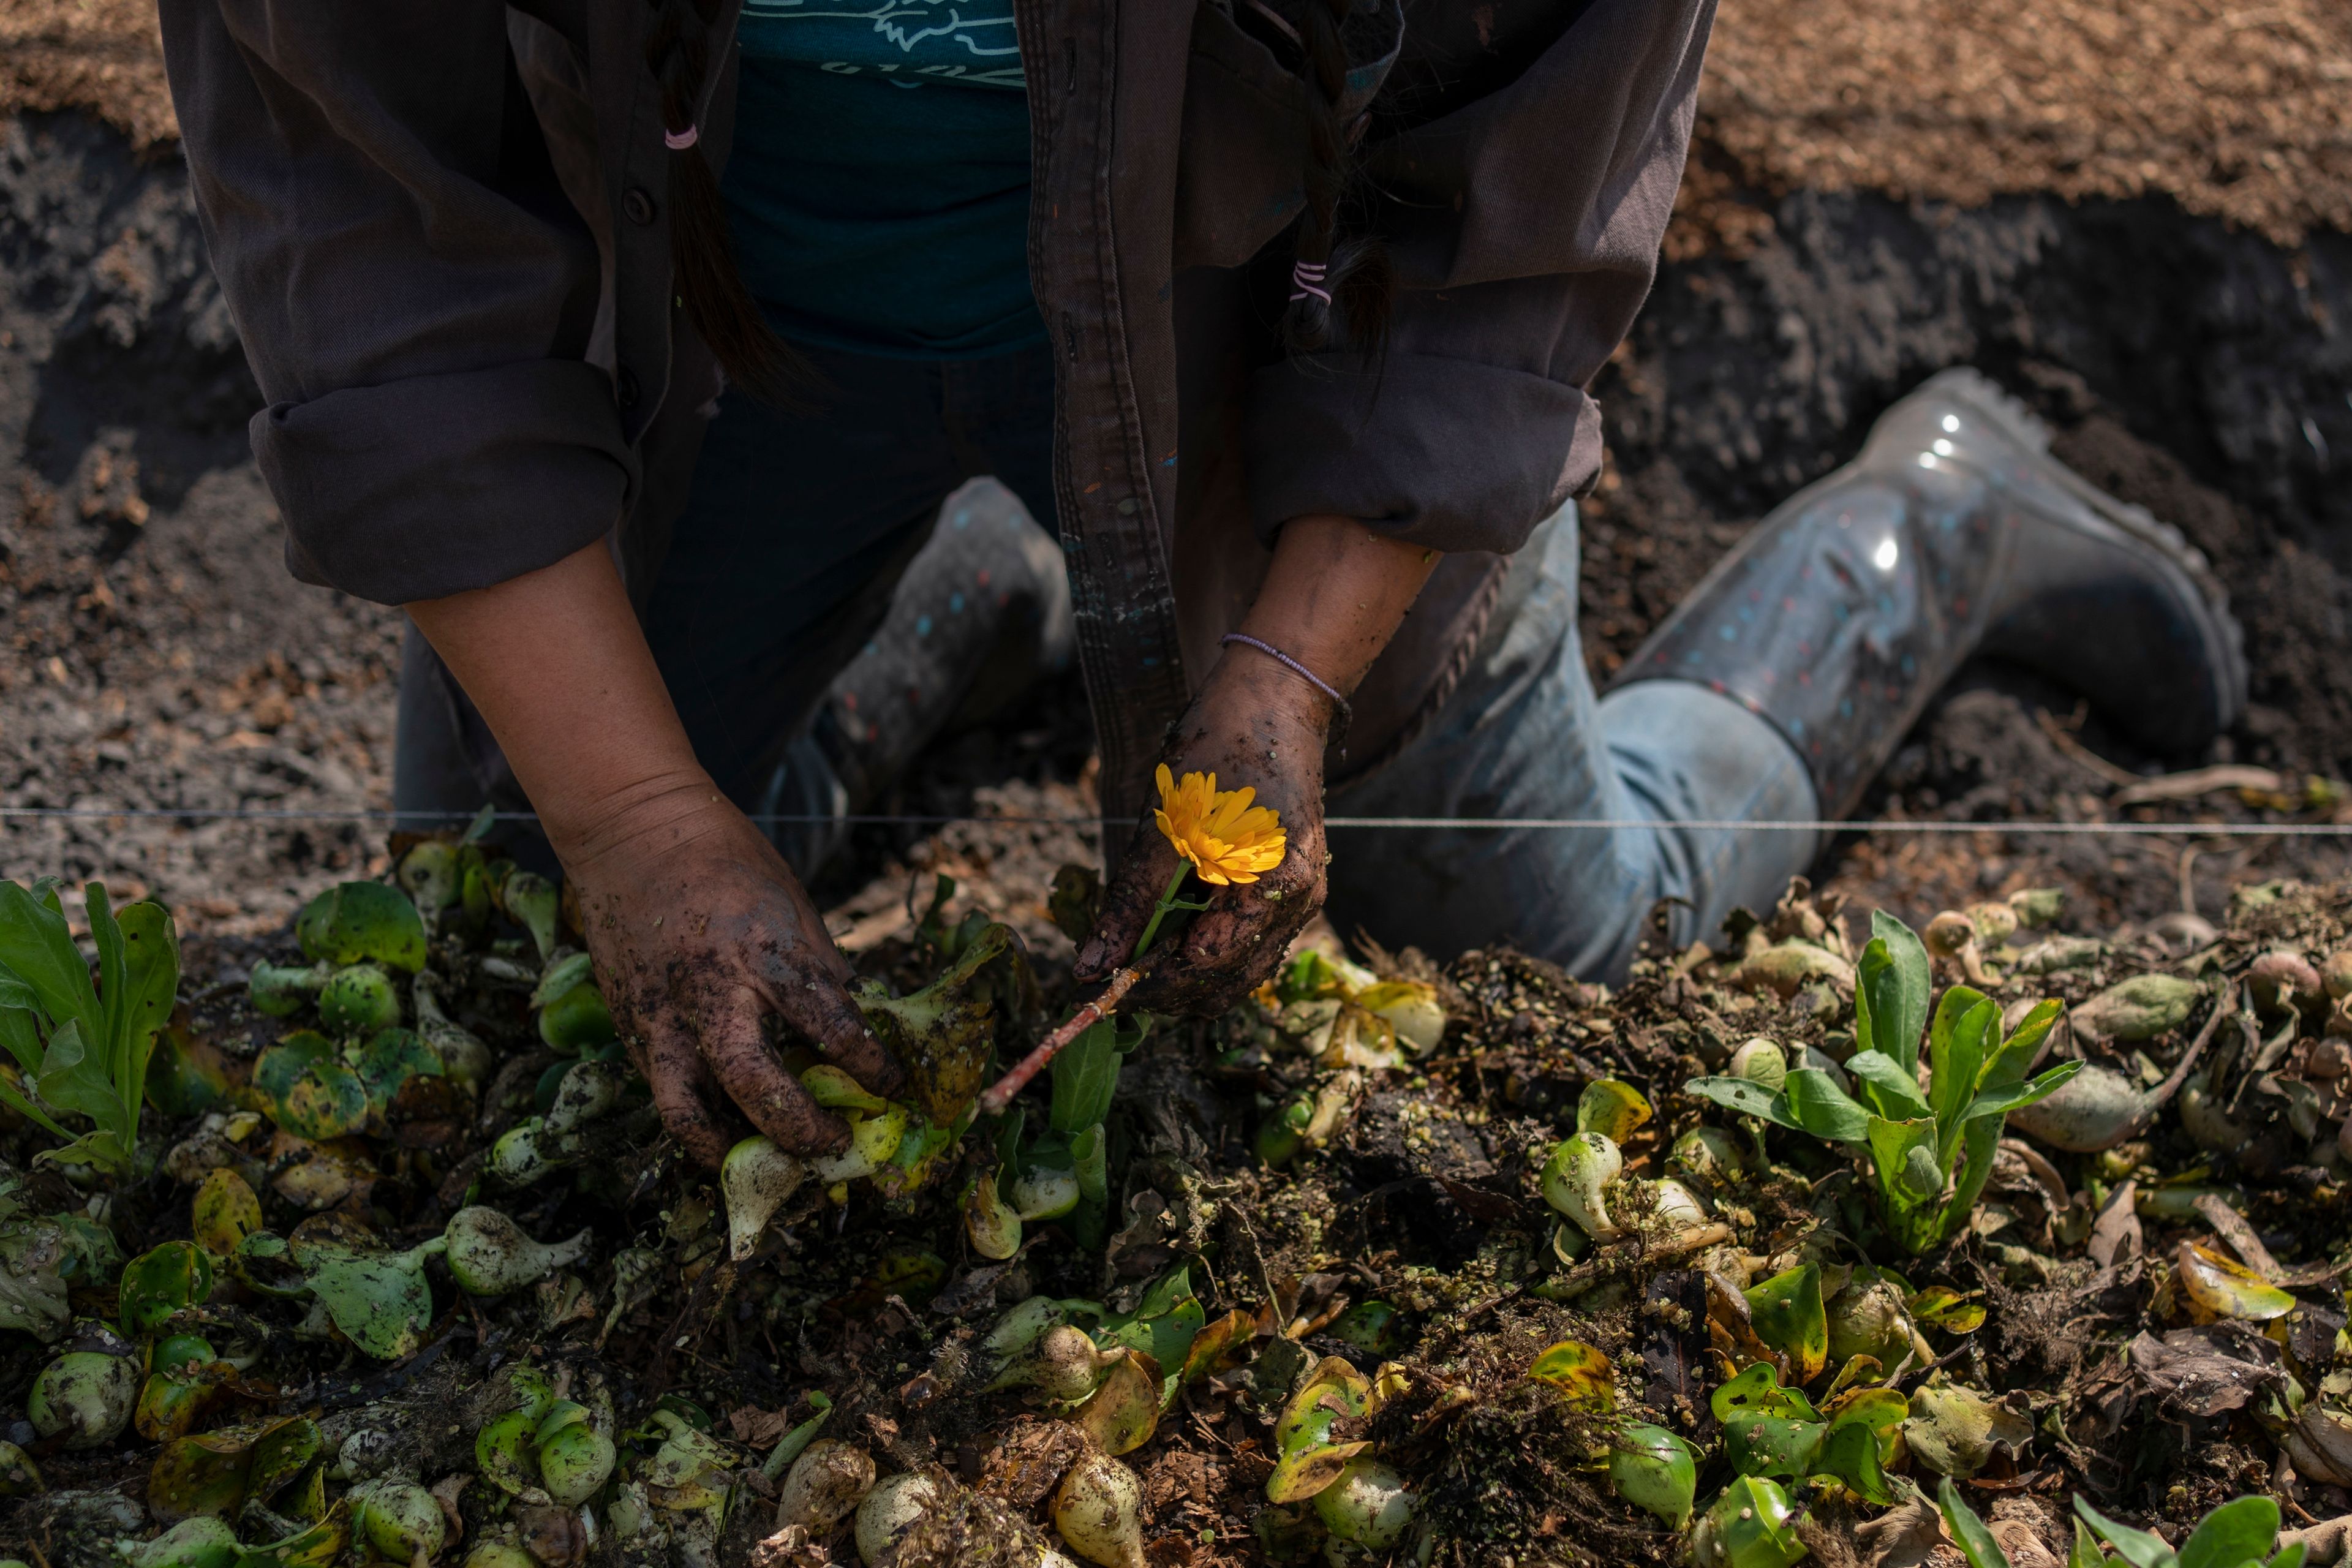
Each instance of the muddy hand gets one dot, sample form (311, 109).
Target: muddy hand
(701, 934)
(1253, 724)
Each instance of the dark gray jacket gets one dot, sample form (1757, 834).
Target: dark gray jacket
(440, 225)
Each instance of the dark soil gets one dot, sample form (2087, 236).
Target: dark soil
(159, 655)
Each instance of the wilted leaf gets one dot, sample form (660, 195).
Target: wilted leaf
(159, 1282)
(1301, 1475)
(1947, 1309)
(327, 1100)
(1788, 1315)
(214, 1472)
(945, 1032)
(1953, 1430)
(1219, 1345)
(1579, 1371)
(1123, 1412)
(1333, 1392)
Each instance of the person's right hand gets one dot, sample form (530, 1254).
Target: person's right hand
(700, 933)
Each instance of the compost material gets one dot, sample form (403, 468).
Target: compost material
(400, 1218)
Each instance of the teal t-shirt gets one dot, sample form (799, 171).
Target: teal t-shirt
(879, 188)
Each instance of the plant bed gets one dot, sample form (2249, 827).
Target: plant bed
(1394, 1264)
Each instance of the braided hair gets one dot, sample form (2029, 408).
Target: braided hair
(702, 257)
(1342, 286)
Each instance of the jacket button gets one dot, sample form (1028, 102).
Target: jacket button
(639, 206)
(625, 387)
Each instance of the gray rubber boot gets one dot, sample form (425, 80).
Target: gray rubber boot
(1954, 533)
(982, 611)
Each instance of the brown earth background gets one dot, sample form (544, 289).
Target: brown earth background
(2134, 214)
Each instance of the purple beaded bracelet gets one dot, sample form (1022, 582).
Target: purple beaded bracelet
(1340, 709)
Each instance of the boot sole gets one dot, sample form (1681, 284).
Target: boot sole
(1988, 399)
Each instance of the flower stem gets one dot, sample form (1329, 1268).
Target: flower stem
(1123, 980)
(1166, 902)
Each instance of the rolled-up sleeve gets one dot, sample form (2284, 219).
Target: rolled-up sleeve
(1525, 229)
(412, 291)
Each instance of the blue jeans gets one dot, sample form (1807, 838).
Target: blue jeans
(1525, 736)
(799, 526)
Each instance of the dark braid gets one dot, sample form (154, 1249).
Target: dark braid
(1341, 289)
(702, 257)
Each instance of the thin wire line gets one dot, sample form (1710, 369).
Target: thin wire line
(1464, 824)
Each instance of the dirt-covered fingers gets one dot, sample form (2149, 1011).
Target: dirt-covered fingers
(1237, 942)
(727, 1026)
(662, 1046)
(1127, 903)
(819, 1006)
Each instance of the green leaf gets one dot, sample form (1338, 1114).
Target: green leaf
(281, 1067)
(2085, 1553)
(2290, 1556)
(1758, 1391)
(1162, 1326)
(21, 1034)
(1892, 986)
(2000, 1101)
(1980, 1140)
(329, 1100)
(390, 1059)
(382, 1303)
(1745, 1096)
(151, 989)
(1967, 1025)
(2016, 1053)
(1085, 1076)
(107, 937)
(100, 1148)
(37, 948)
(1850, 1453)
(1816, 1104)
(1767, 1427)
(1090, 1164)
(160, 1282)
(1910, 1217)
(2137, 1547)
(1787, 1313)
(1895, 1093)
(73, 1078)
(2239, 1531)
(1974, 1541)
(362, 922)
(24, 1107)
(15, 993)
(1758, 1444)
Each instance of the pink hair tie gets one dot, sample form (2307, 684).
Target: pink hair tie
(1306, 277)
(679, 141)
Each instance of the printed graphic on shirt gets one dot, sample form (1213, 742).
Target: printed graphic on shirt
(908, 43)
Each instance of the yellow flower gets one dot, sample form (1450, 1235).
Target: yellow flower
(1226, 838)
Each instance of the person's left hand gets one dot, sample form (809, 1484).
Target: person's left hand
(1254, 723)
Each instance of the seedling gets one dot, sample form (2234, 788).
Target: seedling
(2237, 1534)
(84, 1047)
(1930, 1138)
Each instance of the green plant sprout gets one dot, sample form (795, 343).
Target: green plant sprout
(83, 1047)
(2237, 1534)
(1930, 1140)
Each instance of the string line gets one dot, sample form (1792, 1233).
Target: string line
(1413, 824)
